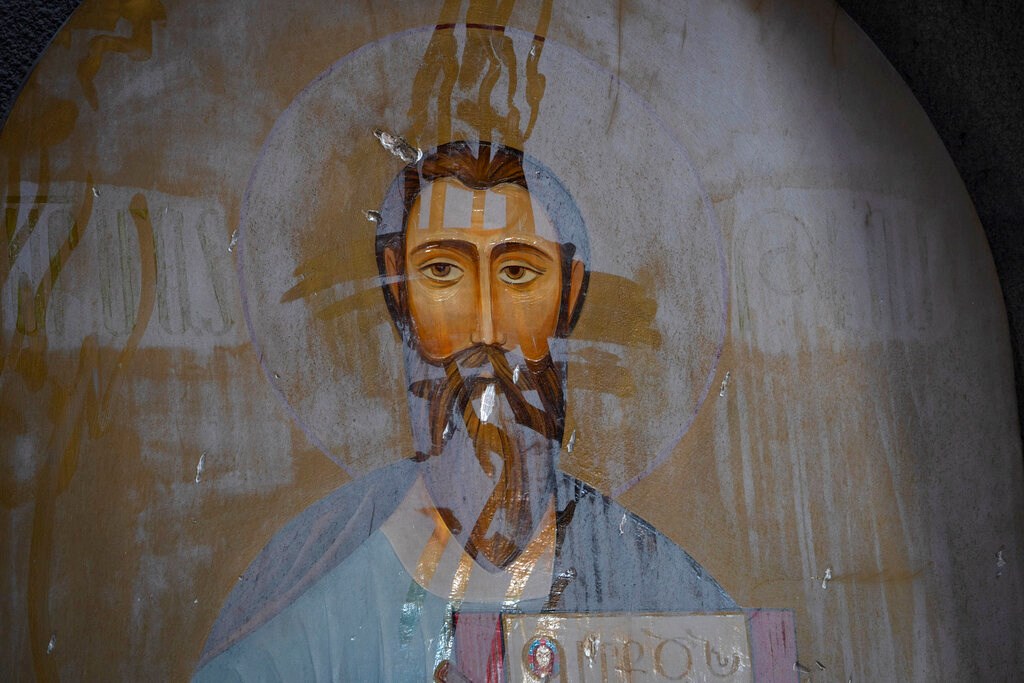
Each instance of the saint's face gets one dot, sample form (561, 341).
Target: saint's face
(483, 267)
(543, 658)
(483, 284)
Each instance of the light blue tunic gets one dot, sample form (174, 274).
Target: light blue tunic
(361, 617)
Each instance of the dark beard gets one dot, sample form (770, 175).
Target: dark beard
(525, 439)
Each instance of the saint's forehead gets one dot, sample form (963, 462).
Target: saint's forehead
(449, 205)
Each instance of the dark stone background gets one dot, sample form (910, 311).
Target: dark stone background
(963, 59)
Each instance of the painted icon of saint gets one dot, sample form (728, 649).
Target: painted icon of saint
(483, 264)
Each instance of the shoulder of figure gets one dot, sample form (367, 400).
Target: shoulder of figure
(308, 546)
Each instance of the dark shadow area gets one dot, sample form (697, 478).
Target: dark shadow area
(964, 61)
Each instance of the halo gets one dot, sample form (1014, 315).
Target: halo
(645, 351)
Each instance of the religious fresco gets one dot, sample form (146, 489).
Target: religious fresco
(484, 341)
(485, 263)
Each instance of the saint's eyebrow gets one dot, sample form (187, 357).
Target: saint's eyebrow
(468, 249)
(504, 247)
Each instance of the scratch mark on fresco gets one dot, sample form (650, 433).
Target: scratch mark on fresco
(199, 466)
(825, 579)
(52, 644)
(487, 403)
(234, 241)
(725, 383)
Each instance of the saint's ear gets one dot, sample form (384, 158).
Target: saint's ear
(577, 290)
(392, 270)
(390, 260)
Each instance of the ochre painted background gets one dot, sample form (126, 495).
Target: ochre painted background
(866, 423)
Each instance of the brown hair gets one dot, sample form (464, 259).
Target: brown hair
(478, 166)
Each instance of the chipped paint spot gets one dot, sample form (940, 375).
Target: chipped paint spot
(199, 466)
(398, 146)
(487, 403)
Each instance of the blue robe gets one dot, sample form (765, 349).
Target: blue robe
(328, 599)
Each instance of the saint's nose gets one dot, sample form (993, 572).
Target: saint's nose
(488, 329)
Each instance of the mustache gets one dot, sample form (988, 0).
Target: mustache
(467, 371)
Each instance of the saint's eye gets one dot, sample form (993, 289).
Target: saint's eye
(442, 271)
(518, 274)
